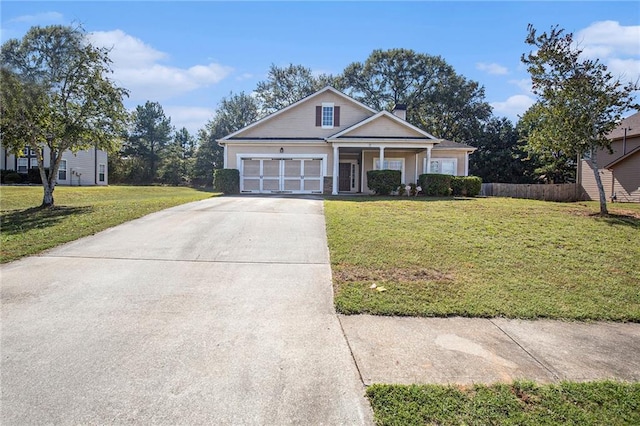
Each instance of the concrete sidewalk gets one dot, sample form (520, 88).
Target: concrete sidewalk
(469, 350)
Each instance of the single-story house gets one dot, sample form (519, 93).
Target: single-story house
(620, 169)
(84, 168)
(326, 143)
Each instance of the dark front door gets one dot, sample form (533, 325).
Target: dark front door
(344, 183)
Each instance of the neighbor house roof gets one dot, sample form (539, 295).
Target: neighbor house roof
(623, 158)
(631, 123)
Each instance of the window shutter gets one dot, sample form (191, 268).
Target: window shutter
(336, 116)
(318, 116)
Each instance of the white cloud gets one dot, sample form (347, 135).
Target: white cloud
(524, 85)
(136, 67)
(193, 118)
(608, 38)
(617, 46)
(244, 76)
(514, 106)
(46, 17)
(492, 68)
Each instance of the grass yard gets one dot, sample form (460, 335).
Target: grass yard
(485, 257)
(519, 403)
(79, 211)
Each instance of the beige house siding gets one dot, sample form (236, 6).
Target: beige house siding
(588, 181)
(384, 127)
(299, 122)
(623, 179)
(289, 150)
(626, 179)
(441, 153)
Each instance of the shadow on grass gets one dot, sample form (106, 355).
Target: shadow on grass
(18, 221)
(619, 220)
(369, 198)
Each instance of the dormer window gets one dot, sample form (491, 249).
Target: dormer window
(327, 116)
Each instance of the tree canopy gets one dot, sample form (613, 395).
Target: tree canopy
(56, 96)
(579, 100)
(287, 85)
(438, 99)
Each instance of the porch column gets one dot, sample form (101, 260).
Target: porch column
(428, 159)
(334, 181)
(224, 157)
(466, 164)
(416, 169)
(381, 158)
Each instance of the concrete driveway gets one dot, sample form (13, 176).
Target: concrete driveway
(215, 312)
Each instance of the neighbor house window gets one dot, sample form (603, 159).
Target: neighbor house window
(444, 166)
(62, 171)
(101, 172)
(22, 165)
(33, 163)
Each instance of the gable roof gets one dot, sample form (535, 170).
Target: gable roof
(631, 123)
(623, 158)
(293, 105)
(402, 123)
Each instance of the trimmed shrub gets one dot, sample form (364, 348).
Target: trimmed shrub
(435, 185)
(226, 181)
(12, 177)
(33, 175)
(466, 186)
(383, 182)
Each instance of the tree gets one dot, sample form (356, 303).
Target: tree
(149, 136)
(285, 86)
(500, 156)
(177, 161)
(437, 99)
(233, 113)
(579, 103)
(55, 96)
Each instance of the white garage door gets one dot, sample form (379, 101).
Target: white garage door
(290, 175)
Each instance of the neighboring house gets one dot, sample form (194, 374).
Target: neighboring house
(84, 168)
(326, 143)
(620, 170)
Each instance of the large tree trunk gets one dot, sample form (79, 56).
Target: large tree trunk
(47, 199)
(603, 197)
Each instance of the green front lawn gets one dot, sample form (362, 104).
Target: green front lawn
(519, 403)
(485, 257)
(79, 211)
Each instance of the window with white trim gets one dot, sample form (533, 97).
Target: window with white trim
(33, 163)
(390, 164)
(23, 163)
(327, 115)
(62, 170)
(443, 166)
(101, 172)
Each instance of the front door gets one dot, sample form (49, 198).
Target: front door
(344, 183)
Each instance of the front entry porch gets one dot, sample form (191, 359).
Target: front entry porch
(351, 164)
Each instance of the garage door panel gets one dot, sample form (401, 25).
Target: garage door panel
(271, 184)
(271, 168)
(311, 185)
(292, 168)
(292, 185)
(251, 168)
(251, 185)
(313, 168)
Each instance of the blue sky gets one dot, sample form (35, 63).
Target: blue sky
(188, 55)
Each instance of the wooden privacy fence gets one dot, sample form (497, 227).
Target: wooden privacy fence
(552, 192)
